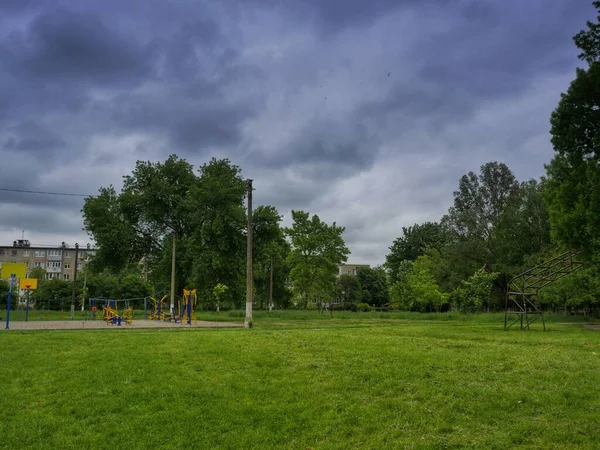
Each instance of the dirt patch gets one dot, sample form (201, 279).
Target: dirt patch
(100, 324)
(592, 327)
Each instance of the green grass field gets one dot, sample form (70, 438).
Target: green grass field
(304, 381)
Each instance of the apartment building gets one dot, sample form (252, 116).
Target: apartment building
(58, 262)
(350, 269)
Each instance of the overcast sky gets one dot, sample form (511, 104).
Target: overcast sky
(363, 112)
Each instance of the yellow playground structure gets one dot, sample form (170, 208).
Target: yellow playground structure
(184, 312)
(110, 313)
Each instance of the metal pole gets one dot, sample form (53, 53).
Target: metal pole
(27, 306)
(172, 309)
(248, 320)
(12, 280)
(84, 292)
(189, 309)
(74, 291)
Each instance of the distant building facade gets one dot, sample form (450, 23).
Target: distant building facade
(58, 262)
(350, 269)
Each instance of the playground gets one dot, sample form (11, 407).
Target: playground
(101, 312)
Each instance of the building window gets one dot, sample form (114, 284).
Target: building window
(40, 253)
(79, 266)
(38, 264)
(13, 252)
(26, 253)
(67, 266)
(54, 252)
(1, 251)
(67, 254)
(53, 265)
(66, 276)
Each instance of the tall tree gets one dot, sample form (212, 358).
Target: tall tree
(484, 204)
(153, 204)
(119, 241)
(270, 250)
(318, 249)
(349, 290)
(373, 283)
(218, 239)
(573, 188)
(413, 243)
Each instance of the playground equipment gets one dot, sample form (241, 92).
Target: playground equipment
(184, 312)
(187, 307)
(110, 313)
(159, 313)
(523, 290)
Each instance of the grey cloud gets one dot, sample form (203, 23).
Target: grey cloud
(494, 48)
(73, 47)
(326, 150)
(28, 218)
(30, 138)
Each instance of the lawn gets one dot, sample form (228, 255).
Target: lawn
(303, 383)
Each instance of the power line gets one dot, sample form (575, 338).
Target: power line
(23, 191)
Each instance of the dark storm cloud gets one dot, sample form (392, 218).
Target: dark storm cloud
(326, 150)
(31, 139)
(495, 47)
(62, 46)
(334, 15)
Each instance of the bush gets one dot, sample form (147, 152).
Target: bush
(364, 307)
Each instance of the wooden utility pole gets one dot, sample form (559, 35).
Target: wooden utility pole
(74, 291)
(248, 321)
(173, 276)
(271, 287)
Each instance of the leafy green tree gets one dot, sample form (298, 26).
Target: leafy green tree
(270, 249)
(349, 290)
(400, 295)
(417, 289)
(495, 222)
(38, 273)
(317, 251)
(573, 187)
(153, 204)
(218, 239)
(4, 288)
(526, 231)
(474, 293)
(579, 291)
(132, 286)
(220, 295)
(373, 284)
(119, 243)
(413, 243)
(53, 294)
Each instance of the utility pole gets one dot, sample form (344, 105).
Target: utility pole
(271, 286)
(84, 291)
(248, 321)
(173, 276)
(74, 292)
